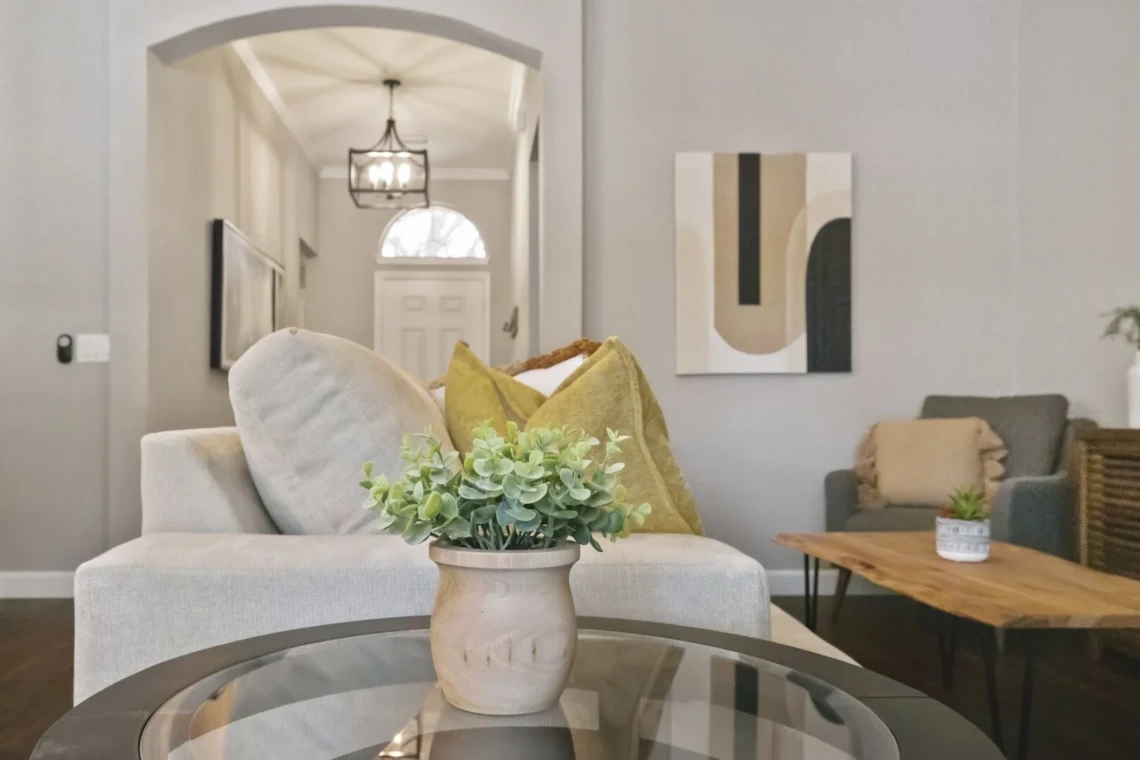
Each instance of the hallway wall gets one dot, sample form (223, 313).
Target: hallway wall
(217, 150)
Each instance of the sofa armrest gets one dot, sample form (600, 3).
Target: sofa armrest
(1037, 512)
(197, 481)
(841, 496)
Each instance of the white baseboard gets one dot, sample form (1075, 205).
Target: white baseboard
(36, 584)
(791, 583)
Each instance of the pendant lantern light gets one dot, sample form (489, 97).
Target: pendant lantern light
(389, 175)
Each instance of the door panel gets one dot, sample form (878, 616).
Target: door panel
(421, 315)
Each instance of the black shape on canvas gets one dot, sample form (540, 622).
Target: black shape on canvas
(829, 299)
(748, 229)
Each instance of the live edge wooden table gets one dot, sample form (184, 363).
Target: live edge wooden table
(1016, 588)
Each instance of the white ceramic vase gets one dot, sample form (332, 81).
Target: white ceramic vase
(1134, 393)
(503, 629)
(962, 540)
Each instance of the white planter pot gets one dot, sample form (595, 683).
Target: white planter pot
(1134, 393)
(503, 630)
(962, 540)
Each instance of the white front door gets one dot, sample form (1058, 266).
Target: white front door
(421, 315)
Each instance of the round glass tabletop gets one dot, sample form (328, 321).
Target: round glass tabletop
(629, 696)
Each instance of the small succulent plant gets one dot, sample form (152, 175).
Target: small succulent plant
(966, 504)
(519, 490)
(1124, 323)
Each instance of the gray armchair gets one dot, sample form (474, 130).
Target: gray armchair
(1036, 504)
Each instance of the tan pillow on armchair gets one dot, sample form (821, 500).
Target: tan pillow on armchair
(921, 462)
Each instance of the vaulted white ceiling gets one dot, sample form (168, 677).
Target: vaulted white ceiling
(329, 83)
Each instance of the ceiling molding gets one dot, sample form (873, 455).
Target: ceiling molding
(264, 82)
(437, 172)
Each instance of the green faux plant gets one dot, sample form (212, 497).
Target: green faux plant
(966, 504)
(519, 490)
(1124, 323)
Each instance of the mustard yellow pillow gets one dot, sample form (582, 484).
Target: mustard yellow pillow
(477, 393)
(609, 390)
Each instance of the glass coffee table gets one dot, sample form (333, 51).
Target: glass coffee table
(360, 691)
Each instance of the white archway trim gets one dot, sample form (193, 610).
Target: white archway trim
(317, 16)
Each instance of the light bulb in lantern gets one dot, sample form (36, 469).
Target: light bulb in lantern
(386, 172)
(405, 173)
(374, 174)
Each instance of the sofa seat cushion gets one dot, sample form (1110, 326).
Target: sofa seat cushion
(311, 409)
(1032, 427)
(790, 632)
(893, 518)
(159, 596)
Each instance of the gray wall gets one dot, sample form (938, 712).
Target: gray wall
(924, 95)
(1079, 197)
(996, 170)
(217, 149)
(339, 292)
(53, 272)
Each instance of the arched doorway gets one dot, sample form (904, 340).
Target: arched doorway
(547, 36)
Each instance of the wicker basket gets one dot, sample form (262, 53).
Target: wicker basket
(1109, 512)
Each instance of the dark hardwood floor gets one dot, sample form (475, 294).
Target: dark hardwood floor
(1084, 710)
(35, 671)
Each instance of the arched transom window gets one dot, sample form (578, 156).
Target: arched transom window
(437, 232)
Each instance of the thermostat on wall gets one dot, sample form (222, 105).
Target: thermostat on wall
(93, 347)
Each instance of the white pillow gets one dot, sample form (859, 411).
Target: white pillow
(310, 409)
(547, 380)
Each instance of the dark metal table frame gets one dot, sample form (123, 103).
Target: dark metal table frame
(946, 628)
(109, 725)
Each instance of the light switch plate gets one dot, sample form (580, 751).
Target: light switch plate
(93, 347)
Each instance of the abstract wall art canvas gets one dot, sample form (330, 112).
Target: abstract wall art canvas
(763, 263)
(245, 294)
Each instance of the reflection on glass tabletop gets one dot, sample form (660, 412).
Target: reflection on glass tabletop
(629, 696)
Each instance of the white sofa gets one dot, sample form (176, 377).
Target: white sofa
(211, 568)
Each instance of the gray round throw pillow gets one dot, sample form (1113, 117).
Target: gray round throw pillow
(310, 409)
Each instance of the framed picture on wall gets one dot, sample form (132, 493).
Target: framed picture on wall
(246, 292)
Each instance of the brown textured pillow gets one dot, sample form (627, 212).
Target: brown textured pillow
(921, 462)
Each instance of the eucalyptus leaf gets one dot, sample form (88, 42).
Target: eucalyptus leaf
(467, 492)
(484, 514)
(458, 528)
(503, 515)
(449, 507)
(417, 533)
(521, 514)
(533, 494)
